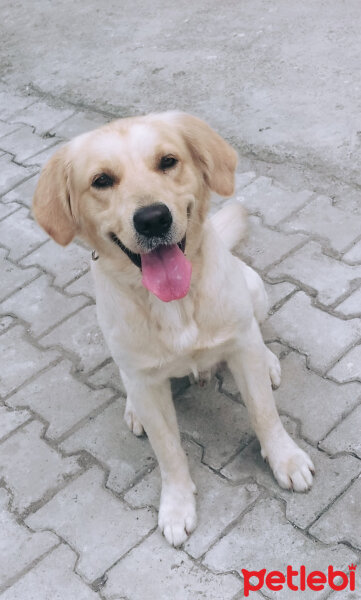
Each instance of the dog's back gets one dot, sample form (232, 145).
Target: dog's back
(230, 222)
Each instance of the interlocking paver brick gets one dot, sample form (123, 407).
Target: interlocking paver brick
(20, 360)
(274, 203)
(62, 406)
(179, 385)
(309, 266)
(83, 285)
(107, 375)
(108, 438)
(21, 234)
(278, 292)
(24, 143)
(352, 305)
(342, 521)
(23, 192)
(349, 367)
(6, 128)
(346, 436)
(41, 116)
(80, 123)
(11, 420)
(165, 573)
(81, 335)
(265, 246)
(41, 158)
(282, 545)
(5, 323)
(64, 263)
(218, 503)
(12, 276)
(19, 547)
(349, 200)
(216, 422)
(8, 209)
(337, 228)
(317, 403)
(9, 103)
(97, 525)
(25, 458)
(53, 578)
(243, 179)
(324, 337)
(11, 174)
(354, 254)
(332, 477)
(227, 383)
(41, 305)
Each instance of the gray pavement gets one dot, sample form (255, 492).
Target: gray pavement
(281, 79)
(78, 492)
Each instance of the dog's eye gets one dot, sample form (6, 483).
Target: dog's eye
(167, 162)
(103, 181)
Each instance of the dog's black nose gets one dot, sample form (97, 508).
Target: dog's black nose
(153, 220)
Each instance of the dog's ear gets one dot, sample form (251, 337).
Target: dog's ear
(216, 157)
(51, 202)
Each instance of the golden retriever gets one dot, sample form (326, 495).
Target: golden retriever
(171, 297)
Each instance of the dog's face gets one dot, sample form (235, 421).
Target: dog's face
(136, 188)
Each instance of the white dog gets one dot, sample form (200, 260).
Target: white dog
(171, 298)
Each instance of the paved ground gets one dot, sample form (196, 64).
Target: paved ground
(282, 79)
(78, 492)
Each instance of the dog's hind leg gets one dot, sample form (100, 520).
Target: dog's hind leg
(130, 416)
(257, 292)
(131, 419)
(274, 368)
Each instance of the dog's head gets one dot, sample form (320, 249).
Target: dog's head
(137, 190)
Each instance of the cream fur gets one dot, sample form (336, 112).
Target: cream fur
(152, 341)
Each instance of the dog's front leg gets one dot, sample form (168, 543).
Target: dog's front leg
(250, 366)
(154, 407)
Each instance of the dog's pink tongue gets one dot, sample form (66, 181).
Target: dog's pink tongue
(166, 273)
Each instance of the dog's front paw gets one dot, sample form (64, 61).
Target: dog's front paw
(177, 514)
(291, 466)
(132, 420)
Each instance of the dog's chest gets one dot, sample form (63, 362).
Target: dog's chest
(185, 338)
(169, 339)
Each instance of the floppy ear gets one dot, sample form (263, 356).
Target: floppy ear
(51, 202)
(218, 160)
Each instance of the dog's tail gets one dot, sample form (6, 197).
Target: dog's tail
(230, 222)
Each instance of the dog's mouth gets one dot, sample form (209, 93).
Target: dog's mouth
(166, 272)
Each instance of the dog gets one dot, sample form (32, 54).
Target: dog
(171, 297)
